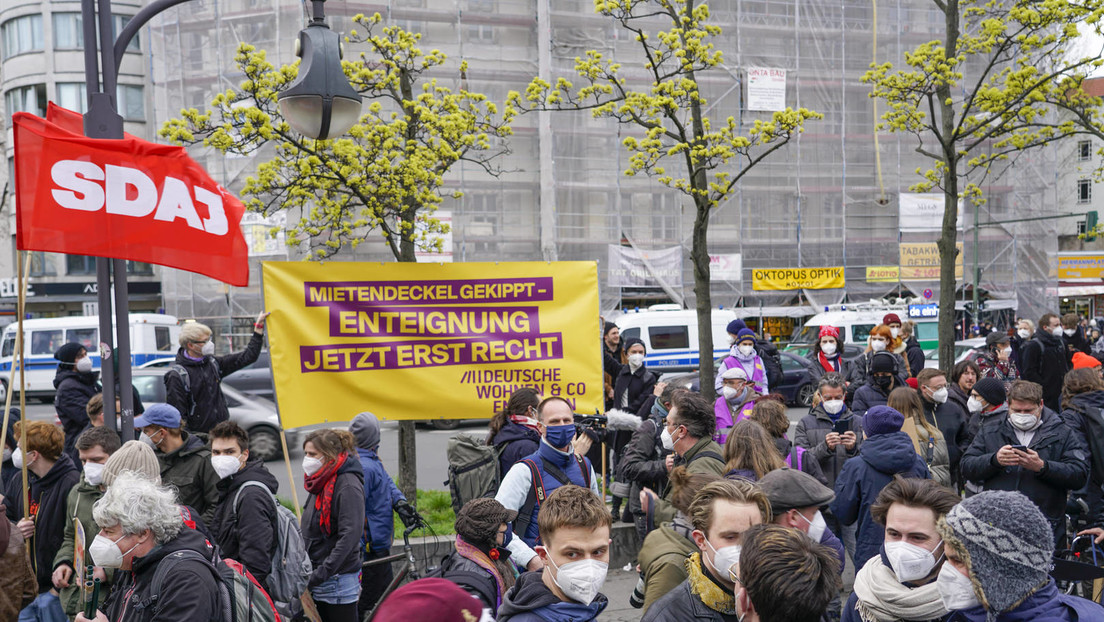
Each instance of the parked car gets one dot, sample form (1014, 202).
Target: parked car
(965, 350)
(851, 351)
(798, 385)
(256, 414)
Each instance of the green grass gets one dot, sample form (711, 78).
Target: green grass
(435, 506)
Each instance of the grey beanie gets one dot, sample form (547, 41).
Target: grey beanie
(365, 429)
(1007, 543)
(132, 456)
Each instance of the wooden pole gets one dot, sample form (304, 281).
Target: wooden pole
(23, 267)
(11, 377)
(604, 474)
(291, 475)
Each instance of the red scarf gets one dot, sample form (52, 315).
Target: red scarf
(321, 485)
(828, 365)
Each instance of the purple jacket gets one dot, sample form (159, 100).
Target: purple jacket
(724, 418)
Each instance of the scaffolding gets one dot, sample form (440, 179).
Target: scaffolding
(818, 202)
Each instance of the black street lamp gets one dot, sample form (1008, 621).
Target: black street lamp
(317, 113)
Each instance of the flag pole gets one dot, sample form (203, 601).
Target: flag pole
(11, 376)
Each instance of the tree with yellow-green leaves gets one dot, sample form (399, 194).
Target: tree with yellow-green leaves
(385, 177)
(676, 143)
(1004, 79)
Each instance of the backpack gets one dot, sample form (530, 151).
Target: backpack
(181, 372)
(772, 364)
(473, 469)
(291, 566)
(241, 598)
(799, 452)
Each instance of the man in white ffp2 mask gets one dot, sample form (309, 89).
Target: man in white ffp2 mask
(574, 528)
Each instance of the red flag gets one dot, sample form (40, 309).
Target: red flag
(128, 199)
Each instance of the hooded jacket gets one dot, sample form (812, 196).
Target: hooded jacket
(380, 492)
(530, 600)
(662, 559)
(204, 377)
(48, 497)
(881, 457)
(1066, 465)
(1044, 361)
(870, 395)
(339, 552)
(812, 431)
(188, 593)
(1045, 605)
(933, 451)
(984, 418)
(78, 505)
(189, 470)
(73, 389)
(514, 441)
(247, 532)
(914, 356)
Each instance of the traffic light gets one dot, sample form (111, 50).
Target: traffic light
(1090, 225)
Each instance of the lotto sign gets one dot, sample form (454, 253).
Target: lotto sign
(126, 198)
(419, 341)
(797, 278)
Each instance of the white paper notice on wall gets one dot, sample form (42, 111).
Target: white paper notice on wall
(766, 88)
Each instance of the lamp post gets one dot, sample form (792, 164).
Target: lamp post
(322, 113)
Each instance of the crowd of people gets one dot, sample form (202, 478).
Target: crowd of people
(947, 494)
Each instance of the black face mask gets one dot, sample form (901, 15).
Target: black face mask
(883, 381)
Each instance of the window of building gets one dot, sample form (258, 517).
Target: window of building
(1084, 150)
(139, 267)
(131, 102)
(72, 96)
(481, 33)
(30, 98)
(1084, 190)
(42, 264)
(69, 32)
(20, 35)
(79, 265)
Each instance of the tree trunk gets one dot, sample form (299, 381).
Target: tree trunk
(699, 256)
(948, 249)
(408, 450)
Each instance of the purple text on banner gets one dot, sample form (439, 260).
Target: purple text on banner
(474, 291)
(435, 353)
(387, 321)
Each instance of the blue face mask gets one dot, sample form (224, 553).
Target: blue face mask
(658, 410)
(560, 436)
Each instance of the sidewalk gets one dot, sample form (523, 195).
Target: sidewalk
(618, 586)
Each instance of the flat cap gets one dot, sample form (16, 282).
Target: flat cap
(790, 489)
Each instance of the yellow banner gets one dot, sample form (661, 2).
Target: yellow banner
(797, 278)
(883, 274)
(1081, 266)
(430, 341)
(920, 261)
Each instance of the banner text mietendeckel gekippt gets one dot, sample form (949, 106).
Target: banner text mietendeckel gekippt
(420, 341)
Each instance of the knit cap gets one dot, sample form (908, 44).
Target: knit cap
(627, 344)
(883, 361)
(735, 326)
(744, 335)
(607, 327)
(68, 352)
(1082, 360)
(891, 318)
(132, 456)
(1007, 544)
(991, 390)
(479, 519)
(435, 599)
(882, 420)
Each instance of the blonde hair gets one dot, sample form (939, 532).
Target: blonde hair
(193, 331)
(907, 402)
(750, 447)
(571, 506)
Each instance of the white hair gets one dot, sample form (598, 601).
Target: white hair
(193, 331)
(137, 504)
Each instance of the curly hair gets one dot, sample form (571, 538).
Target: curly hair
(137, 504)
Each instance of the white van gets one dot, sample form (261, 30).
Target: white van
(152, 336)
(856, 321)
(670, 335)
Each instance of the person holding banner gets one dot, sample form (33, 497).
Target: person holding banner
(94, 446)
(200, 400)
(51, 476)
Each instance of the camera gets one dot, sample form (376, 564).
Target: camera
(636, 599)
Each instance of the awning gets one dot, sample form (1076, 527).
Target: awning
(995, 304)
(1078, 289)
(803, 311)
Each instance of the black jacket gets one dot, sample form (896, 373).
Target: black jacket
(953, 423)
(1085, 418)
(808, 461)
(188, 593)
(1045, 362)
(73, 389)
(203, 384)
(643, 463)
(638, 384)
(515, 441)
(472, 578)
(914, 356)
(681, 605)
(189, 470)
(247, 536)
(529, 595)
(772, 361)
(982, 419)
(339, 552)
(1066, 465)
(48, 495)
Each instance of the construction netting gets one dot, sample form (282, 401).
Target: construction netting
(823, 201)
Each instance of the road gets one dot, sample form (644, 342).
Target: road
(432, 446)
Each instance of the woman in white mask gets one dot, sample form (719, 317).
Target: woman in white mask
(140, 526)
(880, 340)
(996, 361)
(900, 584)
(1025, 329)
(635, 383)
(720, 513)
(998, 551)
(826, 355)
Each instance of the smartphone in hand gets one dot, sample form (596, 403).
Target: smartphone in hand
(1019, 447)
(841, 426)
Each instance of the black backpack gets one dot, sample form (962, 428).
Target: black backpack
(186, 380)
(772, 363)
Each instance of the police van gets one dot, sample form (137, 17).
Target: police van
(855, 321)
(152, 336)
(670, 334)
